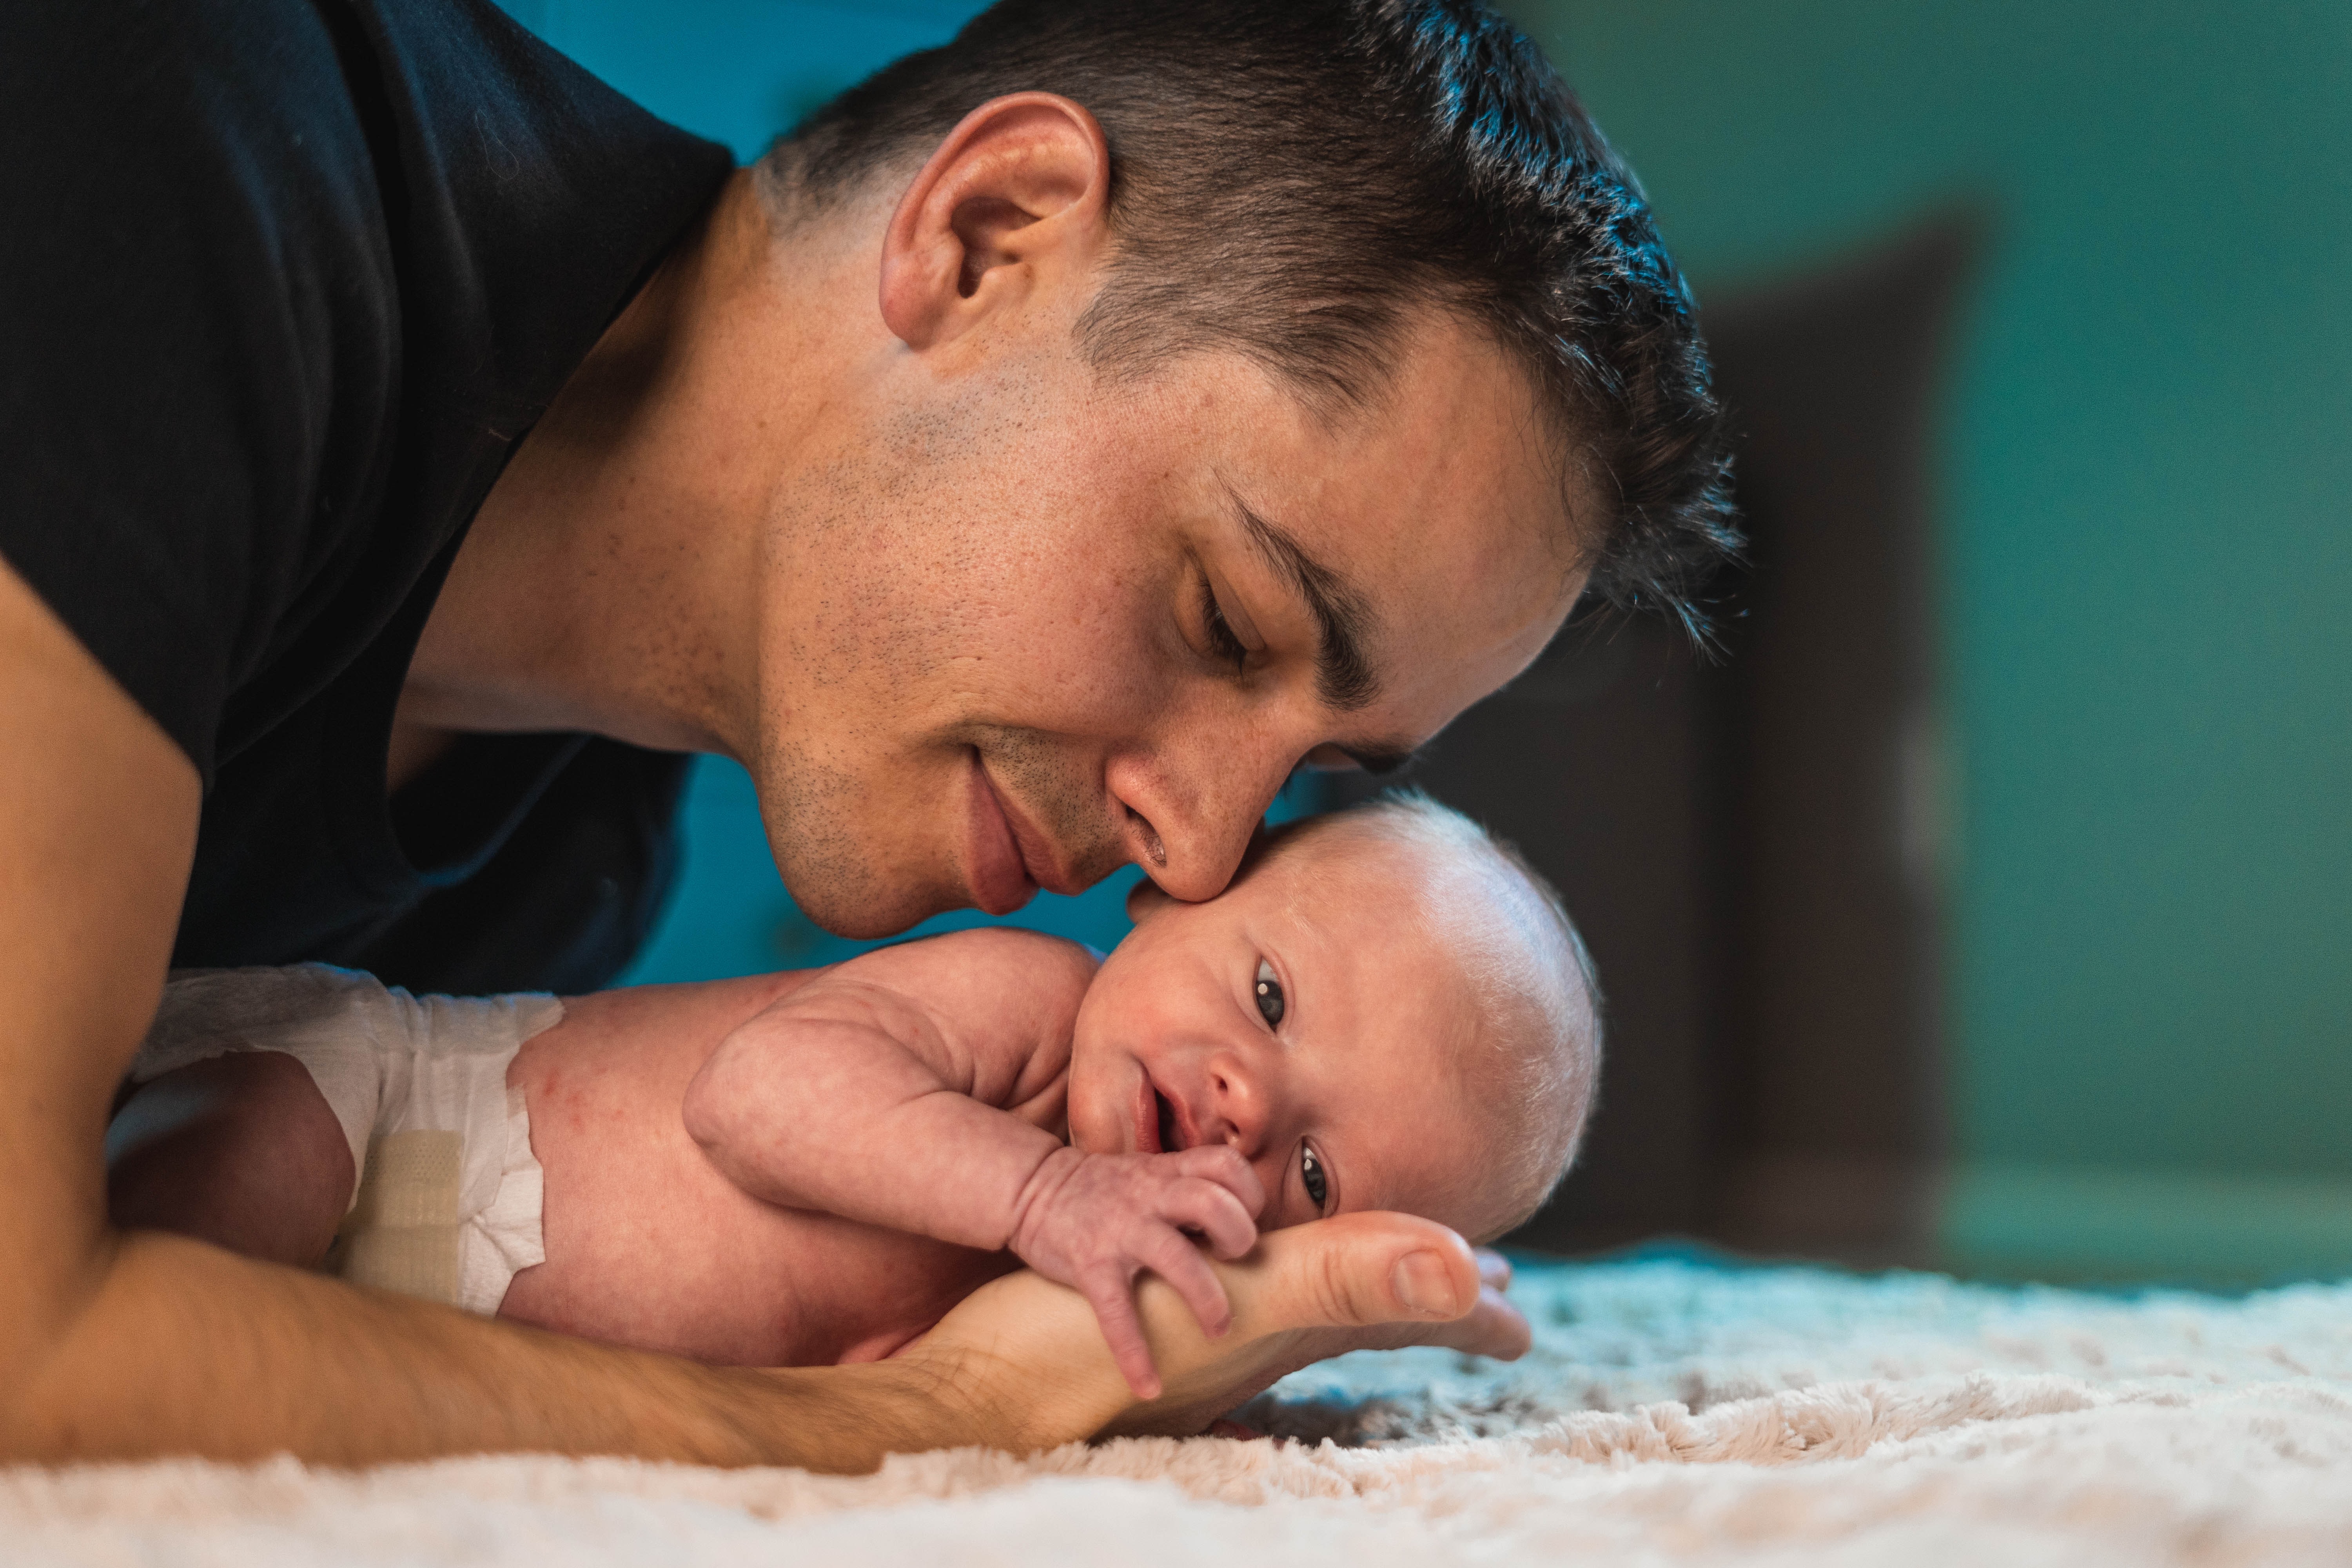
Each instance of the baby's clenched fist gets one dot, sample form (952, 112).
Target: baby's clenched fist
(1093, 1222)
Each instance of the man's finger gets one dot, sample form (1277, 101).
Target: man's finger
(1493, 1328)
(1494, 1269)
(1367, 1269)
(1313, 1291)
(1215, 1213)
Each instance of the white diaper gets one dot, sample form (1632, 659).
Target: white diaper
(448, 1198)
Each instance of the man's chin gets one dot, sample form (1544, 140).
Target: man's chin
(866, 909)
(864, 921)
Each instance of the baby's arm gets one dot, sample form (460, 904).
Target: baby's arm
(910, 1088)
(874, 1091)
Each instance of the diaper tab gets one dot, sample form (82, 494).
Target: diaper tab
(402, 1232)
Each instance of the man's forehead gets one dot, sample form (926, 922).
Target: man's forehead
(1451, 480)
(1457, 404)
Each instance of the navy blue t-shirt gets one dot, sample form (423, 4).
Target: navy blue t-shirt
(282, 283)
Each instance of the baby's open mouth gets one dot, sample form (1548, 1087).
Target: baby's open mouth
(1171, 1136)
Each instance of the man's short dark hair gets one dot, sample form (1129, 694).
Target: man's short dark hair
(1291, 177)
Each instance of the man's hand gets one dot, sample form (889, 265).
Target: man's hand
(1324, 1281)
(1096, 1221)
(1018, 1357)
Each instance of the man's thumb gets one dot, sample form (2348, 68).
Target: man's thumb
(1362, 1270)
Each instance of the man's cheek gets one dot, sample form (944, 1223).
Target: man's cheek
(1097, 677)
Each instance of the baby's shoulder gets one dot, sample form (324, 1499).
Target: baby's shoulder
(995, 987)
(1031, 955)
(981, 961)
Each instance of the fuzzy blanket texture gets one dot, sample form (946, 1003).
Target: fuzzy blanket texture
(1674, 1411)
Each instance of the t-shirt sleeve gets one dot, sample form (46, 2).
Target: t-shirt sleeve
(199, 322)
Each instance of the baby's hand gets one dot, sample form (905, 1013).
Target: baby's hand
(1095, 1221)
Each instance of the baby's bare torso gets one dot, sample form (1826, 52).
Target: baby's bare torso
(647, 1243)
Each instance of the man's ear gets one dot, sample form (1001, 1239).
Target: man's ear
(1146, 899)
(1010, 203)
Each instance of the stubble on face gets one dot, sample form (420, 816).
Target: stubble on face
(889, 664)
(1053, 788)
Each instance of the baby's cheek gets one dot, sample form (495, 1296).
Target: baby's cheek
(1084, 1125)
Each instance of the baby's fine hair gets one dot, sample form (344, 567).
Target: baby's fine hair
(1536, 1063)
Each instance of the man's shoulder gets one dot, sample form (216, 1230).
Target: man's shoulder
(135, 103)
(302, 270)
(206, 261)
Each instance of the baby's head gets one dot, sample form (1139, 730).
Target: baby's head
(1387, 1004)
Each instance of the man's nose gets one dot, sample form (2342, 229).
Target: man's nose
(1191, 812)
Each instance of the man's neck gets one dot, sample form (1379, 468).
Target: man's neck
(609, 583)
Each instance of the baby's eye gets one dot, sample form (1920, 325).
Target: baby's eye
(1269, 993)
(1310, 1177)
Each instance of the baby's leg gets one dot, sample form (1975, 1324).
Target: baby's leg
(240, 1150)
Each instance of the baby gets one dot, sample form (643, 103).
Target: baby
(1387, 1010)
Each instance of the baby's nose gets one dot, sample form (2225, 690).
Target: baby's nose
(1239, 1103)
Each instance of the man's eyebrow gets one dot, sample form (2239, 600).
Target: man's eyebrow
(1344, 677)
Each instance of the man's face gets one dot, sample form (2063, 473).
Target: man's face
(1038, 623)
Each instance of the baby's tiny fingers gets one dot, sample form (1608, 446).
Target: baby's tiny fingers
(1111, 1296)
(1212, 1211)
(1223, 1165)
(1180, 1262)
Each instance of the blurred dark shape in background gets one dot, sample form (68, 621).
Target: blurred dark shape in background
(1750, 841)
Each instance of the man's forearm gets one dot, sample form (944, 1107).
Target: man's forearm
(183, 1349)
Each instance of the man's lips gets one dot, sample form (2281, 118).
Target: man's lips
(1011, 859)
(996, 868)
(1037, 855)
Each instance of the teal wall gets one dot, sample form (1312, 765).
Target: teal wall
(738, 71)
(2146, 464)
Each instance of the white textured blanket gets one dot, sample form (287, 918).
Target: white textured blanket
(1672, 1413)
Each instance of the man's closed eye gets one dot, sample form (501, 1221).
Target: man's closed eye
(1224, 644)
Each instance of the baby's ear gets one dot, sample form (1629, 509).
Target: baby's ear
(1145, 899)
